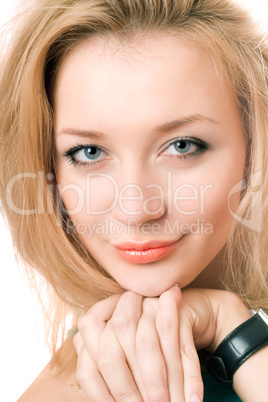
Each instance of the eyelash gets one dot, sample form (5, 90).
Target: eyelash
(201, 148)
(71, 152)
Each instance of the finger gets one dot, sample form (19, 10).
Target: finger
(193, 384)
(151, 361)
(92, 324)
(114, 369)
(125, 321)
(167, 325)
(90, 379)
(78, 342)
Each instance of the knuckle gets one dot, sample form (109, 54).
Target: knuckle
(81, 373)
(156, 393)
(188, 351)
(196, 381)
(80, 376)
(126, 397)
(82, 324)
(165, 324)
(121, 322)
(145, 342)
(105, 362)
(196, 384)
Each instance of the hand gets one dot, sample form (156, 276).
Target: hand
(128, 347)
(136, 351)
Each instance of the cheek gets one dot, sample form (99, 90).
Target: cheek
(88, 196)
(190, 199)
(213, 193)
(221, 201)
(101, 194)
(199, 195)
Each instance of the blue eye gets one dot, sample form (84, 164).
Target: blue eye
(88, 153)
(185, 147)
(182, 146)
(85, 155)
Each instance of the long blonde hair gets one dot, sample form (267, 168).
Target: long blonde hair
(43, 33)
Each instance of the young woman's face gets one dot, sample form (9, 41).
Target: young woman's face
(149, 145)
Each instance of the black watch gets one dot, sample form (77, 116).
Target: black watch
(238, 346)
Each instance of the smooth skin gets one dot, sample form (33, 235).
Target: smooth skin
(132, 102)
(204, 315)
(165, 366)
(129, 103)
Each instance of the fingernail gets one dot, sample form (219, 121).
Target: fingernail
(175, 286)
(194, 397)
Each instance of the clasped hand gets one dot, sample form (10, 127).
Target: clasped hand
(132, 348)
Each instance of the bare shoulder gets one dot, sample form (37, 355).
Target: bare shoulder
(49, 386)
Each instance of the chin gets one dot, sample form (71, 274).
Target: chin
(149, 290)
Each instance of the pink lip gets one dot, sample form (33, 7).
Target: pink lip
(146, 252)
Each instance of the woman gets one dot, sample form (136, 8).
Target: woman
(95, 94)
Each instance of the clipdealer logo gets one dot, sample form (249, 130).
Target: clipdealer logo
(117, 229)
(185, 199)
(175, 197)
(255, 221)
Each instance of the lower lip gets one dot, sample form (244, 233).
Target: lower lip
(145, 256)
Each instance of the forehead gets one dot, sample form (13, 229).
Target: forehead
(142, 47)
(140, 72)
(104, 59)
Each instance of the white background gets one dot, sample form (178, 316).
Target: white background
(23, 352)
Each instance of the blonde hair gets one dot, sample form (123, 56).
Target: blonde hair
(44, 32)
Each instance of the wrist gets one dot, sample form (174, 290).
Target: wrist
(232, 312)
(239, 345)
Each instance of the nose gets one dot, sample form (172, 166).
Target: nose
(140, 201)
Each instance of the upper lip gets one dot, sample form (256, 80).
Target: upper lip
(132, 245)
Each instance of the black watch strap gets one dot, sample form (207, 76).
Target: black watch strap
(237, 347)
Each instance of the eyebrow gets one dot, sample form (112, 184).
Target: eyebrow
(169, 126)
(162, 128)
(95, 135)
